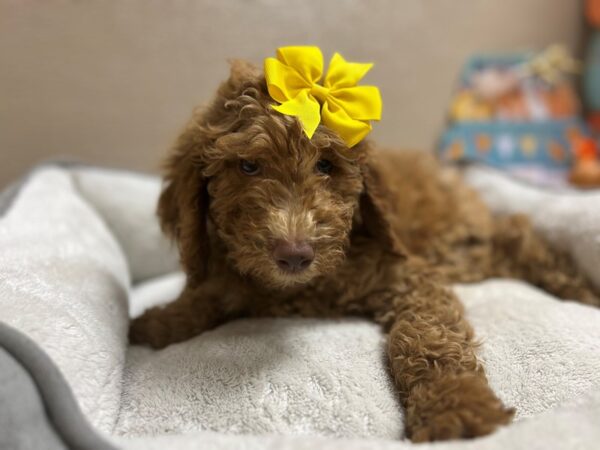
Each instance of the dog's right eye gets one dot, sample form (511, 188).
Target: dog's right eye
(249, 167)
(324, 166)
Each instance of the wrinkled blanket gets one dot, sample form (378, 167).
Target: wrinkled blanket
(81, 251)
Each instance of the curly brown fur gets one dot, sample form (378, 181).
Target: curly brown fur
(390, 232)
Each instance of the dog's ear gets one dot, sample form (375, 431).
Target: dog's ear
(375, 209)
(183, 205)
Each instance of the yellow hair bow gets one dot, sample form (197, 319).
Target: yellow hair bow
(292, 80)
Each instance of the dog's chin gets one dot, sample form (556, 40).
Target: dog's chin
(280, 279)
(274, 278)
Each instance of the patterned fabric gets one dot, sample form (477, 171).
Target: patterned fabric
(507, 115)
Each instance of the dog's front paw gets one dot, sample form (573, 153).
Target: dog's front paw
(146, 330)
(454, 407)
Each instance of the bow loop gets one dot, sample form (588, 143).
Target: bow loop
(344, 74)
(307, 61)
(293, 81)
(359, 102)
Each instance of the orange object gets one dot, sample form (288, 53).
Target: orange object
(586, 149)
(592, 12)
(586, 170)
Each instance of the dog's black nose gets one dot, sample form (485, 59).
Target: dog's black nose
(293, 257)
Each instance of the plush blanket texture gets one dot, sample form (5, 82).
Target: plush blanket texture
(81, 246)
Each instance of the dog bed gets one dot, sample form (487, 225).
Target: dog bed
(81, 250)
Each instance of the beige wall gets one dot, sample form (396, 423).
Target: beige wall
(111, 82)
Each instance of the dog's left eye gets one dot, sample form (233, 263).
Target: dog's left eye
(249, 167)
(324, 166)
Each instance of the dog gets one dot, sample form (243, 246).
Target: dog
(271, 223)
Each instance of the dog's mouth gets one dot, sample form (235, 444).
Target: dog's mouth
(281, 279)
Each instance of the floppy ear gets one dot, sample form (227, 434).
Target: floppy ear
(375, 210)
(183, 205)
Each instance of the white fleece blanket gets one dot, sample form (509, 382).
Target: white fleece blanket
(78, 244)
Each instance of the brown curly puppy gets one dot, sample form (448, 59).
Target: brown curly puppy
(270, 223)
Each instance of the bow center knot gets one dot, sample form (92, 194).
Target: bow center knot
(319, 92)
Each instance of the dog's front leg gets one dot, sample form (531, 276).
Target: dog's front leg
(432, 356)
(191, 314)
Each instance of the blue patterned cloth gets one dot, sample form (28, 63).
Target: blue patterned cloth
(504, 144)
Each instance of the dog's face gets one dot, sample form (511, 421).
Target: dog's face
(283, 205)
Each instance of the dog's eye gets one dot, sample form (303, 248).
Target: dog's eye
(324, 166)
(249, 167)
